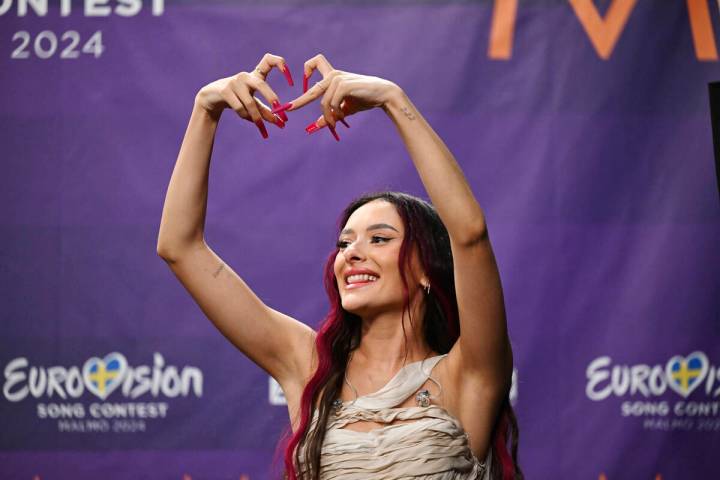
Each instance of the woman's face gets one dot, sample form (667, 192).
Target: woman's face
(366, 265)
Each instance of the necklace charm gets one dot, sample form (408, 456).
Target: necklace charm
(337, 406)
(423, 398)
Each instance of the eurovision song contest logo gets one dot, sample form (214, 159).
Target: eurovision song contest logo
(681, 376)
(62, 391)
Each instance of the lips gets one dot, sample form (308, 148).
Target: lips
(357, 277)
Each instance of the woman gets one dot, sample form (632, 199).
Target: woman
(410, 373)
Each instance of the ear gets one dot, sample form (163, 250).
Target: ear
(416, 269)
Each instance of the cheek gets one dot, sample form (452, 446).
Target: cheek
(390, 268)
(338, 265)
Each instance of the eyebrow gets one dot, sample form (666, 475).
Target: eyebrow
(375, 226)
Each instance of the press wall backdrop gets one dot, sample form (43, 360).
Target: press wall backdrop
(583, 128)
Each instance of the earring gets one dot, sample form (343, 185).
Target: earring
(427, 289)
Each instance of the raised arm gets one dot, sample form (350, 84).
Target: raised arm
(279, 344)
(484, 345)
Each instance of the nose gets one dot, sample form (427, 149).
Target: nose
(353, 253)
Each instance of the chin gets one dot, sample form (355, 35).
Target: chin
(356, 306)
(353, 307)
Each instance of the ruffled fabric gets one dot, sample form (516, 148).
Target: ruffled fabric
(433, 446)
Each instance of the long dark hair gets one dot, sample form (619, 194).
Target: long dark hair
(339, 334)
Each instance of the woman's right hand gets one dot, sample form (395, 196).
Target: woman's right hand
(236, 93)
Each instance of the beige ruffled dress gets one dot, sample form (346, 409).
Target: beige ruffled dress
(432, 447)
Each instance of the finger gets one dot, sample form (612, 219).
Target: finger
(243, 93)
(281, 113)
(319, 124)
(329, 115)
(336, 98)
(347, 107)
(344, 109)
(267, 92)
(315, 92)
(234, 102)
(319, 63)
(316, 125)
(268, 62)
(335, 88)
(250, 105)
(268, 116)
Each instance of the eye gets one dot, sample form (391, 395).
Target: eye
(341, 244)
(379, 239)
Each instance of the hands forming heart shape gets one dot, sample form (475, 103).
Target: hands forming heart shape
(342, 94)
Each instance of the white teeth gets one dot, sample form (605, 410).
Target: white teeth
(361, 278)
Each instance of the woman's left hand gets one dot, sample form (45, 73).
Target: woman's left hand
(343, 93)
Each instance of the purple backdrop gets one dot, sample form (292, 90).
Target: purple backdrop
(596, 176)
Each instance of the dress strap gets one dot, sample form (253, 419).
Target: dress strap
(405, 382)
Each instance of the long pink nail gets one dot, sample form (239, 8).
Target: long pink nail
(344, 122)
(279, 122)
(313, 127)
(261, 127)
(276, 105)
(305, 82)
(281, 108)
(286, 71)
(332, 130)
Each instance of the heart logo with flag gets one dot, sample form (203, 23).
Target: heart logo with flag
(103, 375)
(685, 374)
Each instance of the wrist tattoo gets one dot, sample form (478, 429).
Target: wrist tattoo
(408, 114)
(219, 269)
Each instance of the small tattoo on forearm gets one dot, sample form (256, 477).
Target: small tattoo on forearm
(408, 114)
(219, 269)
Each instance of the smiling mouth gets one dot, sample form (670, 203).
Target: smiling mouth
(356, 281)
